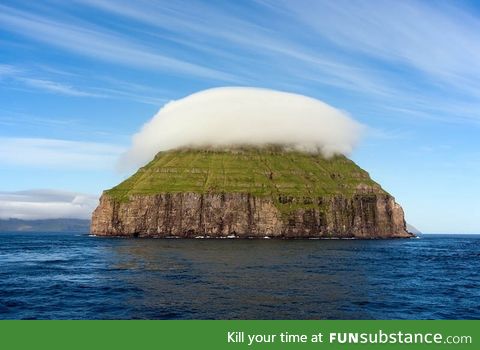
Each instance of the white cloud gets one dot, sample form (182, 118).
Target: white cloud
(46, 204)
(52, 153)
(234, 115)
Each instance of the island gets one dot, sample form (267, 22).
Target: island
(249, 192)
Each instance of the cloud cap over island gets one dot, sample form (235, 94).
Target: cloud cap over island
(238, 116)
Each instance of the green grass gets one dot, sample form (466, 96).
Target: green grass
(259, 171)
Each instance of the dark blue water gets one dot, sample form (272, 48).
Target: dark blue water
(67, 276)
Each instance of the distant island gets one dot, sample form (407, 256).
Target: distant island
(249, 192)
(46, 225)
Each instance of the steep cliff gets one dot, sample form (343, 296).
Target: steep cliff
(249, 192)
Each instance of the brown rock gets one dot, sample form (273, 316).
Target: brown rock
(189, 215)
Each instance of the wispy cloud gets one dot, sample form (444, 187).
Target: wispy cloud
(218, 32)
(367, 47)
(63, 154)
(440, 41)
(7, 70)
(25, 77)
(28, 78)
(406, 55)
(55, 87)
(46, 204)
(99, 44)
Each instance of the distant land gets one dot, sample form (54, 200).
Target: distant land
(47, 225)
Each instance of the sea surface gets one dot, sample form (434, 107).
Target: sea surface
(75, 276)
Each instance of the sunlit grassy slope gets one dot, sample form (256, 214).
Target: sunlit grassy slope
(258, 171)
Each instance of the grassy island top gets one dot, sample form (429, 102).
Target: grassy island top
(267, 171)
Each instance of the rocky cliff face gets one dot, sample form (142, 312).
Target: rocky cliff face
(243, 215)
(361, 210)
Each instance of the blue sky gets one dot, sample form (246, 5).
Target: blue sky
(78, 78)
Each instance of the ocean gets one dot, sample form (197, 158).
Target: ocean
(76, 276)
